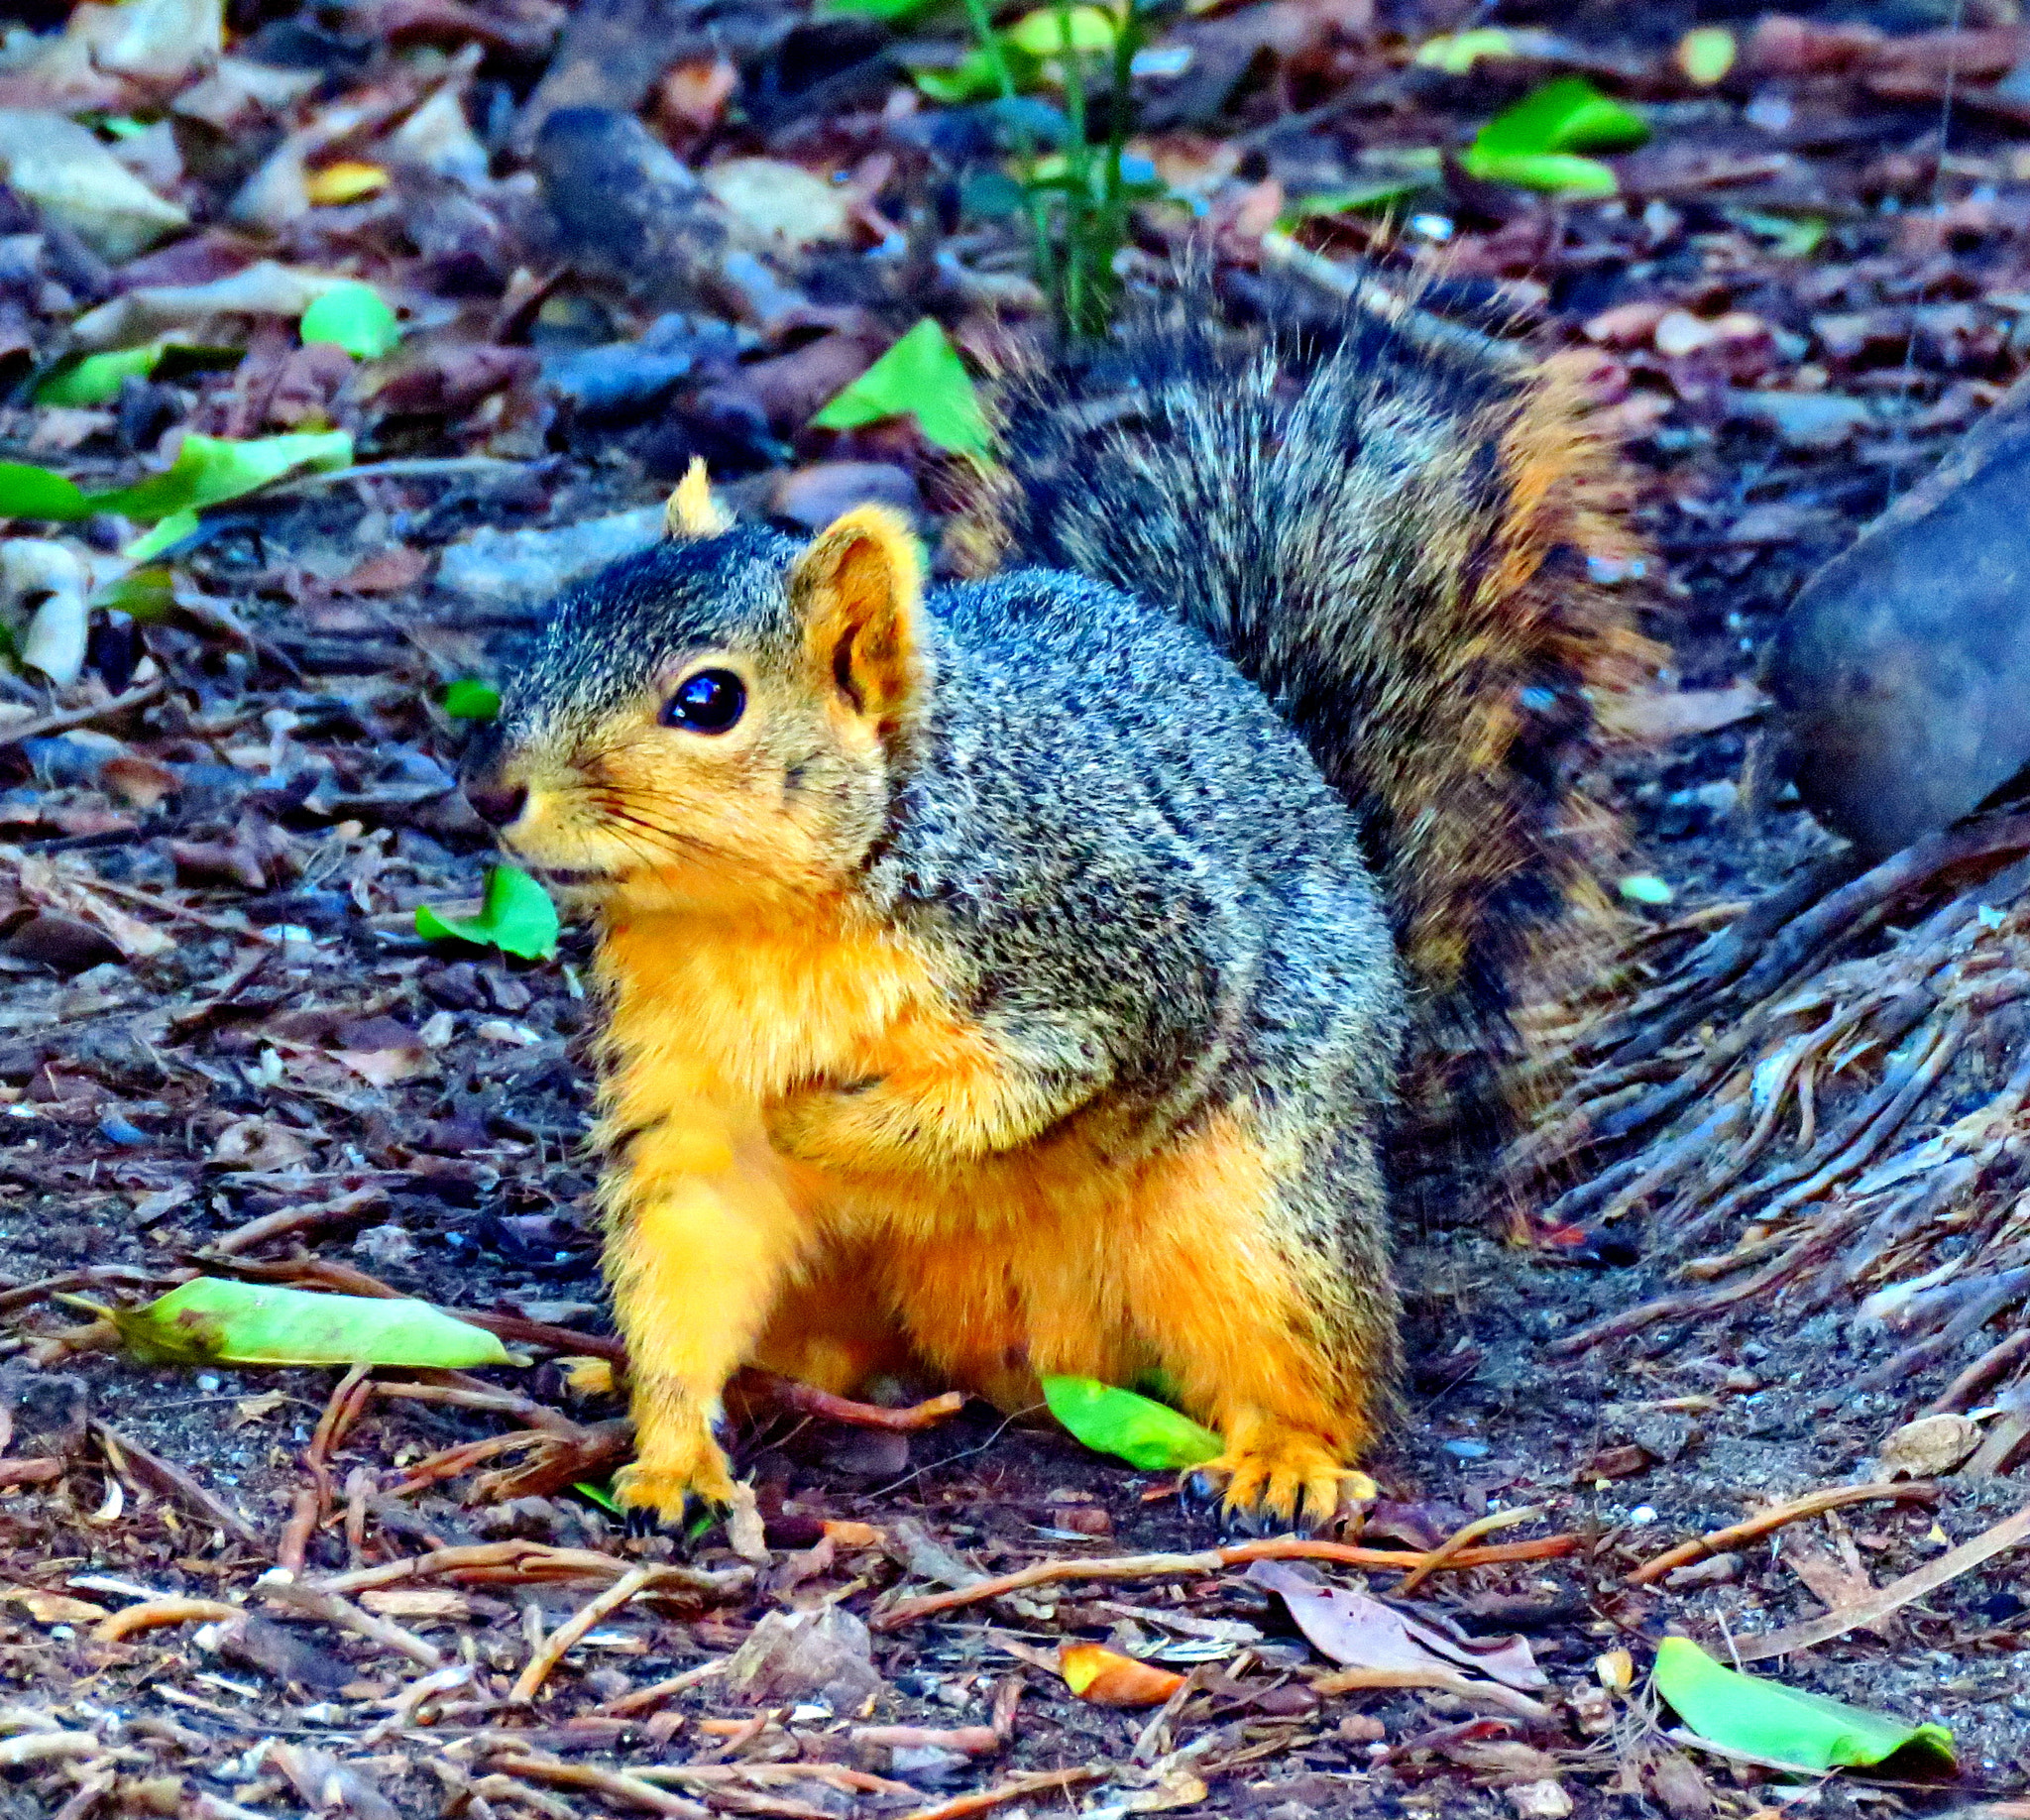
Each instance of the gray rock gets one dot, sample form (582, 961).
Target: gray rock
(523, 568)
(1901, 672)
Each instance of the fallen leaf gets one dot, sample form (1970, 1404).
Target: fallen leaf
(1780, 1723)
(922, 377)
(1362, 1633)
(1106, 1678)
(516, 916)
(220, 1319)
(1136, 1429)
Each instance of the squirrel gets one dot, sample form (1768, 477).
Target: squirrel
(1013, 976)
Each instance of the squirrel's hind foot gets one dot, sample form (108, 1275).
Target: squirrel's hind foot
(664, 1497)
(1278, 1483)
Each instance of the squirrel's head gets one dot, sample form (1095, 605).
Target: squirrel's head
(715, 722)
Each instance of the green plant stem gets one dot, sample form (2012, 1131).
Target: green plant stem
(1024, 144)
(1127, 40)
(1078, 241)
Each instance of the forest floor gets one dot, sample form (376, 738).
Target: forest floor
(223, 1046)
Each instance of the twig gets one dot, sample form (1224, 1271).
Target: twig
(282, 1587)
(529, 1681)
(614, 1785)
(806, 1400)
(35, 1471)
(66, 719)
(1467, 1533)
(294, 1220)
(1015, 1788)
(642, 1698)
(1813, 1504)
(1209, 1560)
(132, 1461)
(1446, 1680)
(1991, 1364)
(152, 1614)
(530, 1562)
(296, 1532)
(2008, 1533)
(325, 1436)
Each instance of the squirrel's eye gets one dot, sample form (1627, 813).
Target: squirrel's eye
(708, 702)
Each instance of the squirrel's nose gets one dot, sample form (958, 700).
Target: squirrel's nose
(497, 804)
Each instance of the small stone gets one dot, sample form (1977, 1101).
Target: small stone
(1362, 1729)
(1927, 1448)
(1544, 1801)
(1715, 1570)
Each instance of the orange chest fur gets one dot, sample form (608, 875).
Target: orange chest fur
(750, 1008)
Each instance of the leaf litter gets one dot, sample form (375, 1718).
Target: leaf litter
(233, 1035)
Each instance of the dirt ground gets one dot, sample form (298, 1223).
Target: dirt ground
(215, 1010)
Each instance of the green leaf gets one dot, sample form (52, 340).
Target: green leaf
(165, 536)
(516, 916)
(355, 317)
(880, 9)
(30, 492)
(1456, 52)
(209, 470)
(1560, 171)
(1146, 1434)
(972, 77)
(145, 594)
(921, 377)
(219, 1321)
(94, 378)
(1376, 195)
(1645, 889)
(1706, 54)
(468, 698)
(1785, 1724)
(1042, 32)
(597, 1493)
(1568, 115)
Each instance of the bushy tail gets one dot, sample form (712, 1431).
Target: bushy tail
(1401, 544)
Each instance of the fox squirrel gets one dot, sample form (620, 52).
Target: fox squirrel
(1005, 975)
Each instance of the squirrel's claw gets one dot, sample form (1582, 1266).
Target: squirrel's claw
(665, 1501)
(1289, 1484)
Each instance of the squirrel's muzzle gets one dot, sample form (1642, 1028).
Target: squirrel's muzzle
(496, 804)
(495, 800)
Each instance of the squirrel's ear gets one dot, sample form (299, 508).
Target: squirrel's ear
(859, 591)
(691, 511)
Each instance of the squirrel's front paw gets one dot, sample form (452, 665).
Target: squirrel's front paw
(1279, 1482)
(658, 1494)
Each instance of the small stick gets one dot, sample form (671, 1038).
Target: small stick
(1813, 1504)
(137, 697)
(614, 1785)
(642, 1698)
(966, 1739)
(2010, 1533)
(1467, 1533)
(530, 1560)
(484, 1397)
(1210, 1560)
(36, 1472)
(529, 1681)
(1983, 1371)
(294, 1220)
(1446, 1680)
(153, 1612)
(133, 1461)
(1015, 1788)
(321, 1437)
(788, 1394)
(296, 1532)
(285, 1588)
